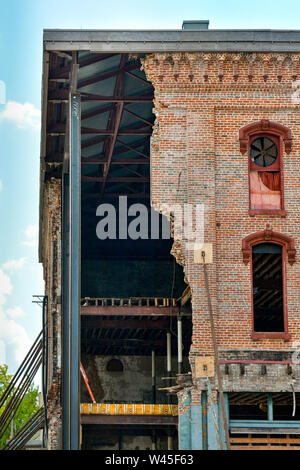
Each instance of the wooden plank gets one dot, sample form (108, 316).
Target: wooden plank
(258, 447)
(263, 430)
(265, 440)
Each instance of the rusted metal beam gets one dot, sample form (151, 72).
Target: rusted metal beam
(115, 120)
(116, 195)
(129, 311)
(107, 75)
(122, 149)
(125, 324)
(139, 117)
(96, 112)
(133, 148)
(134, 420)
(122, 343)
(126, 161)
(62, 95)
(64, 71)
(130, 170)
(129, 131)
(120, 179)
(91, 142)
(60, 129)
(143, 80)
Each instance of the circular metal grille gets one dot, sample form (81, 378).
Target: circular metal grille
(263, 151)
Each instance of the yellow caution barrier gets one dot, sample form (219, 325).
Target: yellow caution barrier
(128, 409)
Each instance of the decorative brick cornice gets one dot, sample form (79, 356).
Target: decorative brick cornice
(219, 67)
(265, 125)
(268, 236)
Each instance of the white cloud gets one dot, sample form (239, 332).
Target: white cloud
(13, 336)
(23, 115)
(31, 234)
(14, 265)
(15, 312)
(5, 287)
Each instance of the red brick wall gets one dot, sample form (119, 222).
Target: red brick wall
(201, 102)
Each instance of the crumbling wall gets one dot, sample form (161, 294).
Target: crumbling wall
(202, 100)
(52, 277)
(132, 385)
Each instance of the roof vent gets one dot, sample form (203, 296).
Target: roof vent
(196, 24)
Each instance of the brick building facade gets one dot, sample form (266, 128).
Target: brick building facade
(226, 135)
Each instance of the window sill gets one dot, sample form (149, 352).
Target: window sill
(281, 212)
(269, 335)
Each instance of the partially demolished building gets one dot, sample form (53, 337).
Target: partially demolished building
(186, 338)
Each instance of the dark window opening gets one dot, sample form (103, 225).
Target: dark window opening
(268, 308)
(285, 405)
(252, 406)
(114, 365)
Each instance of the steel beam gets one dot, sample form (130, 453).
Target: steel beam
(126, 324)
(129, 311)
(62, 95)
(66, 311)
(75, 268)
(146, 420)
(214, 40)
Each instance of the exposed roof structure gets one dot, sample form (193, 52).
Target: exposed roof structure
(117, 99)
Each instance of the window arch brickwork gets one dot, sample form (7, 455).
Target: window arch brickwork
(268, 236)
(265, 141)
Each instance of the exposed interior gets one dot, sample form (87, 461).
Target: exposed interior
(131, 286)
(264, 406)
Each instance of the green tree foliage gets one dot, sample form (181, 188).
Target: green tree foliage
(28, 407)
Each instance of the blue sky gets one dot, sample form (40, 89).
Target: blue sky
(21, 29)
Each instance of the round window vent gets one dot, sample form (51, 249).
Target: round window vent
(263, 151)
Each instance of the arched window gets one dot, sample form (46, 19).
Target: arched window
(267, 252)
(265, 141)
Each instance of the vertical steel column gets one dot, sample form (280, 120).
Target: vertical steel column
(169, 354)
(75, 267)
(66, 310)
(45, 368)
(153, 378)
(169, 371)
(153, 395)
(179, 337)
(270, 407)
